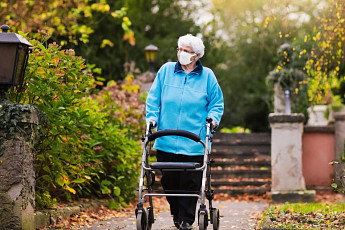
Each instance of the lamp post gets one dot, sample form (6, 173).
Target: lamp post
(14, 53)
(151, 52)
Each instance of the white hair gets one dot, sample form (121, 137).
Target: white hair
(194, 42)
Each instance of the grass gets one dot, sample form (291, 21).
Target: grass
(305, 208)
(324, 215)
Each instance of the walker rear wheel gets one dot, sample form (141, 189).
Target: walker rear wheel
(150, 217)
(215, 218)
(141, 220)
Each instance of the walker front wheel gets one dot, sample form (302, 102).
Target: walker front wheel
(203, 220)
(141, 220)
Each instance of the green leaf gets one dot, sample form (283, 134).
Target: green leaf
(39, 45)
(117, 191)
(47, 169)
(334, 185)
(114, 205)
(79, 180)
(105, 190)
(95, 144)
(59, 181)
(106, 182)
(47, 178)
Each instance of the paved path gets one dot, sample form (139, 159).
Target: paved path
(234, 215)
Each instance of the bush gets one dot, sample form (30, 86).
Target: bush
(236, 129)
(90, 143)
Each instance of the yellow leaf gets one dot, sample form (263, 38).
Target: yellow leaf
(106, 42)
(71, 190)
(111, 83)
(87, 177)
(66, 180)
(106, 8)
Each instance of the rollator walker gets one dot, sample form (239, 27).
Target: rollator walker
(145, 217)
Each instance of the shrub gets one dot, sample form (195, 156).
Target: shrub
(236, 129)
(90, 143)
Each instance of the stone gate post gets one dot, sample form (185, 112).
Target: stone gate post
(286, 158)
(339, 131)
(17, 176)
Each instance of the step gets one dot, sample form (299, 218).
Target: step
(229, 185)
(233, 180)
(248, 191)
(242, 156)
(236, 162)
(239, 183)
(225, 156)
(241, 167)
(242, 138)
(231, 190)
(246, 173)
(240, 150)
(234, 151)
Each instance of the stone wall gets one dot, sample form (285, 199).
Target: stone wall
(317, 152)
(17, 176)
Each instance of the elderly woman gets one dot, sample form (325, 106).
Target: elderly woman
(182, 96)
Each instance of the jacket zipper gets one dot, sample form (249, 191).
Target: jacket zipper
(179, 119)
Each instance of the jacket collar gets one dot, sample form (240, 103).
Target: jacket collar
(197, 70)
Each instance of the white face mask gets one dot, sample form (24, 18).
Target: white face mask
(184, 57)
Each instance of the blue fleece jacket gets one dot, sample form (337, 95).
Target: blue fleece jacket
(178, 100)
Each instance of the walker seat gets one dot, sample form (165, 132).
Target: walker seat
(174, 165)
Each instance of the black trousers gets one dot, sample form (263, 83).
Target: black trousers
(182, 208)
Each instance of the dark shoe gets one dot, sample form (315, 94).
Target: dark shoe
(185, 226)
(176, 222)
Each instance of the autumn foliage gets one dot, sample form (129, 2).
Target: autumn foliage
(325, 66)
(73, 19)
(89, 145)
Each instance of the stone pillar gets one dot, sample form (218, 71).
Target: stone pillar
(339, 134)
(145, 81)
(286, 158)
(17, 176)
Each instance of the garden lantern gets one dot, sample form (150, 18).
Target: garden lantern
(14, 53)
(151, 52)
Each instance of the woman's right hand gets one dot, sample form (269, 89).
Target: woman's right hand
(152, 123)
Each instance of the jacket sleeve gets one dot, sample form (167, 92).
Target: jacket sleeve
(153, 101)
(216, 102)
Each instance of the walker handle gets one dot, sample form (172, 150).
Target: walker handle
(209, 121)
(174, 132)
